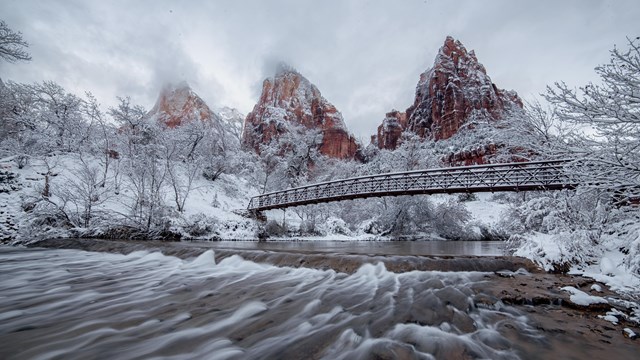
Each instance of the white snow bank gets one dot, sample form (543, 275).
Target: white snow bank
(541, 248)
(579, 297)
(485, 211)
(612, 272)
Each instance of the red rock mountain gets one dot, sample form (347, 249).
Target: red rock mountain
(390, 130)
(454, 92)
(289, 98)
(178, 104)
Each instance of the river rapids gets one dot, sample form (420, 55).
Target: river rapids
(71, 304)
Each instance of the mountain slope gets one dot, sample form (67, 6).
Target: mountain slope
(290, 99)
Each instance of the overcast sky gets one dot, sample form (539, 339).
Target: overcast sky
(364, 56)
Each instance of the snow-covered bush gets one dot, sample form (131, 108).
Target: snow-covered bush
(200, 225)
(560, 229)
(450, 219)
(274, 229)
(8, 181)
(370, 226)
(308, 227)
(334, 226)
(467, 197)
(556, 252)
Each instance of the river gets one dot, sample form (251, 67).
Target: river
(401, 248)
(72, 304)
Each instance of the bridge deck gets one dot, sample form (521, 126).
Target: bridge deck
(522, 176)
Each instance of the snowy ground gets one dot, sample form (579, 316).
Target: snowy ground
(213, 207)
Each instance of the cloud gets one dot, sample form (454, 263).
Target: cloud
(365, 56)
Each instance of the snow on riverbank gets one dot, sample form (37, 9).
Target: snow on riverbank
(608, 262)
(211, 210)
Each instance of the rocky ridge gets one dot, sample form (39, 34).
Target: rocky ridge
(452, 94)
(179, 105)
(290, 99)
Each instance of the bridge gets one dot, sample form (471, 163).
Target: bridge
(520, 176)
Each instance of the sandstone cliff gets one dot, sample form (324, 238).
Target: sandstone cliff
(178, 104)
(452, 94)
(289, 98)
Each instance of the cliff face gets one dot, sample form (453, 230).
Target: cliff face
(388, 135)
(289, 98)
(450, 95)
(178, 104)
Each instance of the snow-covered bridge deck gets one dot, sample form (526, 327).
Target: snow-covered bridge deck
(521, 176)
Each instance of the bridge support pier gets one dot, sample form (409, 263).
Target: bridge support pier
(258, 215)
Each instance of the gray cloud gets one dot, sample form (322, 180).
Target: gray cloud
(364, 55)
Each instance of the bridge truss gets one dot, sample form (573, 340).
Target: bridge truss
(521, 176)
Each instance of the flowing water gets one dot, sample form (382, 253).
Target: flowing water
(401, 248)
(71, 304)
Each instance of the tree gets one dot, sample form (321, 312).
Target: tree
(288, 159)
(180, 151)
(609, 155)
(59, 116)
(102, 137)
(586, 224)
(12, 45)
(81, 192)
(533, 133)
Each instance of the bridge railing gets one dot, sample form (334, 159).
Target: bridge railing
(522, 176)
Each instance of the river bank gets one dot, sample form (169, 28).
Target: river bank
(527, 307)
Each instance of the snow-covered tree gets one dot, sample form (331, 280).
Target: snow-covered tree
(102, 136)
(81, 191)
(12, 46)
(608, 157)
(60, 116)
(533, 134)
(600, 130)
(180, 149)
(41, 118)
(288, 160)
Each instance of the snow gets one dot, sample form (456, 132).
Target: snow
(610, 318)
(542, 249)
(211, 205)
(485, 211)
(630, 333)
(579, 297)
(596, 287)
(550, 250)
(613, 316)
(611, 270)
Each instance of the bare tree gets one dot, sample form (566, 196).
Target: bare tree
(609, 157)
(59, 115)
(12, 46)
(82, 192)
(182, 168)
(103, 138)
(130, 119)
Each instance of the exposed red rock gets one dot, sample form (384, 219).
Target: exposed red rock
(179, 104)
(450, 95)
(289, 98)
(476, 156)
(390, 130)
